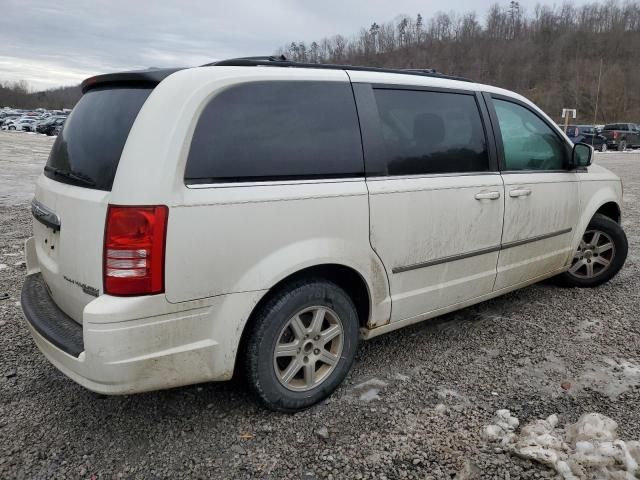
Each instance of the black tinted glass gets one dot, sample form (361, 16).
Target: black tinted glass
(431, 132)
(93, 137)
(277, 130)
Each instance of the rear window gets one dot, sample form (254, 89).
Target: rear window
(88, 150)
(431, 132)
(277, 130)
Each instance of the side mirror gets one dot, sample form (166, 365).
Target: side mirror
(581, 155)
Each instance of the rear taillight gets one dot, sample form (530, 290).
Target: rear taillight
(615, 135)
(133, 257)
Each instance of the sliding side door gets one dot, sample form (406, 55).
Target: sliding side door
(436, 198)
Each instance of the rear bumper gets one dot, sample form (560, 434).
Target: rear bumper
(137, 344)
(46, 318)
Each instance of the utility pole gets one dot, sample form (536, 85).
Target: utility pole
(595, 114)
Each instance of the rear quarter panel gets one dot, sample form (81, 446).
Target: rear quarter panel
(239, 239)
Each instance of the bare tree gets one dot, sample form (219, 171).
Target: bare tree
(548, 55)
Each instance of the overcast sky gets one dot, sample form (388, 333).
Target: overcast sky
(51, 43)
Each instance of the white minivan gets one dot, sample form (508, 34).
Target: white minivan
(262, 216)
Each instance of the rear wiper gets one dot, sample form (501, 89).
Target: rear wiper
(78, 177)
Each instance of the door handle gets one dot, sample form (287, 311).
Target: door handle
(487, 195)
(520, 192)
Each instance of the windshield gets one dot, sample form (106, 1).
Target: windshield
(94, 135)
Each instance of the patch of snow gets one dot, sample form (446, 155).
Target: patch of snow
(370, 395)
(373, 382)
(440, 408)
(370, 389)
(613, 378)
(3, 266)
(589, 448)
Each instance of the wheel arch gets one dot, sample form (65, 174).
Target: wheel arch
(346, 277)
(606, 201)
(610, 209)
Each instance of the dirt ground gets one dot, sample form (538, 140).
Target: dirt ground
(415, 405)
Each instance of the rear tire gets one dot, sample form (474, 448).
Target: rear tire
(301, 345)
(603, 147)
(600, 256)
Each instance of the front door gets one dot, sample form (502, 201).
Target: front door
(436, 200)
(541, 195)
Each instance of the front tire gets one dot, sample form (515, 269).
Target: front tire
(600, 255)
(622, 146)
(302, 344)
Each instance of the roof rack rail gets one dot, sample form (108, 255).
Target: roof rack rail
(247, 61)
(423, 70)
(281, 61)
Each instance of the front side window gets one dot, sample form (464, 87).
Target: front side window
(277, 130)
(529, 143)
(431, 132)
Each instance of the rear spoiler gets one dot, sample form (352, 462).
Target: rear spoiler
(150, 77)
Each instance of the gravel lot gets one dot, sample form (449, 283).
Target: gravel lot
(414, 407)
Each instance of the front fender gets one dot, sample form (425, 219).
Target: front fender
(594, 194)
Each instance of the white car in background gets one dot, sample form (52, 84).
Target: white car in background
(24, 124)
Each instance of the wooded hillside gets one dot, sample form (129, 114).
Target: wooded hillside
(551, 55)
(17, 95)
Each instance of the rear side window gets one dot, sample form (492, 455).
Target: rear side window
(431, 132)
(88, 150)
(277, 131)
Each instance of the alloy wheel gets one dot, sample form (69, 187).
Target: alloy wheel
(308, 348)
(594, 255)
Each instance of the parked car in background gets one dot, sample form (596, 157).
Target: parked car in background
(26, 124)
(9, 117)
(49, 126)
(587, 134)
(56, 130)
(345, 203)
(46, 121)
(621, 136)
